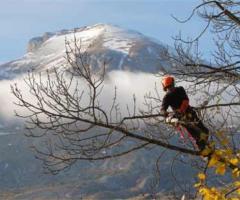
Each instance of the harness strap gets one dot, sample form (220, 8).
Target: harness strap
(183, 131)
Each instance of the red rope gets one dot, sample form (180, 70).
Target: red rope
(184, 132)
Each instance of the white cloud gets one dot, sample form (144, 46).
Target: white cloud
(127, 83)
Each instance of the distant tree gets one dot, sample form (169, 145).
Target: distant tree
(68, 112)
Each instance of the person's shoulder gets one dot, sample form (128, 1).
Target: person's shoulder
(180, 88)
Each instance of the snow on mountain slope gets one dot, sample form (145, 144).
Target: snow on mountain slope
(124, 49)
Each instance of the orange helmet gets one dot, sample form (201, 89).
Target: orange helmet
(167, 81)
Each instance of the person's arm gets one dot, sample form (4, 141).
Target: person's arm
(184, 106)
(165, 105)
(185, 103)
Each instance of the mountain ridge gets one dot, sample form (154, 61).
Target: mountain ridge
(126, 49)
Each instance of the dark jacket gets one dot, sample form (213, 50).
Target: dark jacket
(177, 99)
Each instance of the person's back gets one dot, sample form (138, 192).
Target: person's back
(178, 100)
(175, 97)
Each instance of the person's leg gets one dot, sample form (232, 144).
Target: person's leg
(199, 131)
(198, 135)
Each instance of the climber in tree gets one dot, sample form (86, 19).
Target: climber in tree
(178, 100)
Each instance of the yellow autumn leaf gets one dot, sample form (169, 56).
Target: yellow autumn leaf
(211, 194)
(221, 169)
(197, 185)
(219, 152)
(235, 173)
(204, 191)
(234, 161)
(206, 151)
(201, 176)
(237, 183)
(213, 161)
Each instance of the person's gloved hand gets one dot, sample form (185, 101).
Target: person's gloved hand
(164, 113)
(172, 120)
(168, 119)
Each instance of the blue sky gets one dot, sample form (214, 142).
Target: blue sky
(21, 20)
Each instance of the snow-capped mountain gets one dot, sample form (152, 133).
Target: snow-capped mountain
(126, 177)
(122, 49)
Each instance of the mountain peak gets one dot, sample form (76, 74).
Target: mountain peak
(125, 49)
(100, 28)
(36, 42)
